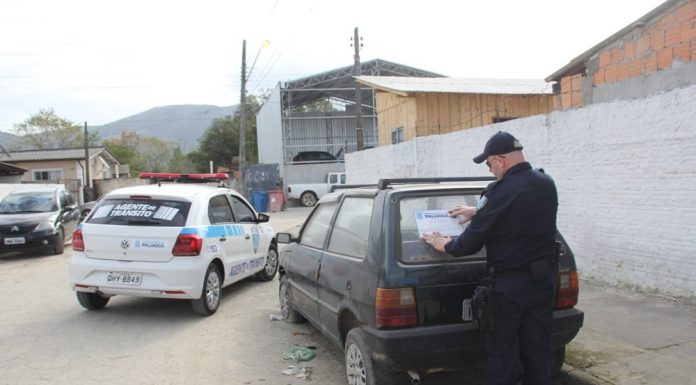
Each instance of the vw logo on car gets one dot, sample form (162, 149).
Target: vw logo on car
(125, 244)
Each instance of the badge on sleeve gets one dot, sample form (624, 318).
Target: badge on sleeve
(481, 203)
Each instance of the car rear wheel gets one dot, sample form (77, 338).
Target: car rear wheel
(289, 314)
(209, 301)
(269, 271)
(59, 245)
(92, 301)
(308, 199)
(361, 369)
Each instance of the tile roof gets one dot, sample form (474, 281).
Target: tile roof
(52, 154)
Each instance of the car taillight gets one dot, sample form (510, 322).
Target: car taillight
(187, 245)
(78, 243)
(568, 288)
(395, 308)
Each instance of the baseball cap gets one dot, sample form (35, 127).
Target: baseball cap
(500, 143)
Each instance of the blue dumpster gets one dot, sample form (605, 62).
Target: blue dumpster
(259, 199)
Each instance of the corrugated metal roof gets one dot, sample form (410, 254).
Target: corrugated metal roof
(53, 154)
(458, 85)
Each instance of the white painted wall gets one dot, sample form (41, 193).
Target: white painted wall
(625, 173)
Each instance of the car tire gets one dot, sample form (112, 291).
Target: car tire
(308, 199)
(287, 312)
(92, 301)
(59, 245)
(361, 368)
(271, 267)
(209, 301)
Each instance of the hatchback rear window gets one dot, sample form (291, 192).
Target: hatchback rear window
(415, 209)
(138, 212)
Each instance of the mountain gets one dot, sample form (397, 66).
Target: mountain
(181, 124)
(12, 142)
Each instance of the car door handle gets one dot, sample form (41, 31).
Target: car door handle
(223, 239)
(247, 236)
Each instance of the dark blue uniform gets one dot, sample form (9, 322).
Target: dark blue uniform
(516, 221)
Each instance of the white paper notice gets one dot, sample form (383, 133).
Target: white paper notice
(429, 221)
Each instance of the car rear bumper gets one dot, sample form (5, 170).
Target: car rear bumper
(181, 277)
(451, 347)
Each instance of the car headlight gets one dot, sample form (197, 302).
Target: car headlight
(42, 226)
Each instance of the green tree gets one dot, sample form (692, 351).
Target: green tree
(323, 105)
(46, 130)
(149, 154)
(220, 142)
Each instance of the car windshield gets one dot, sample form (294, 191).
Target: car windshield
(29, 202)
(138, 212)
(419, 214)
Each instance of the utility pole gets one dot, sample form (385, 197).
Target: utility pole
(357, 43)
(87, 184)
(242, 121)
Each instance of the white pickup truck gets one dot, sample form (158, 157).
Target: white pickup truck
(309, 193)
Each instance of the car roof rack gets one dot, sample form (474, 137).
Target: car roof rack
(349, 186)
(157, 177)
(385, 183)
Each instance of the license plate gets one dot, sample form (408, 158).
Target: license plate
(15, 241)
(466, 310)
(124, 278)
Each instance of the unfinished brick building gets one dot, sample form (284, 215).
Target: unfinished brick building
(655, 53)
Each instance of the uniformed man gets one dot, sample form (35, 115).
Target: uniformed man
(515, 219)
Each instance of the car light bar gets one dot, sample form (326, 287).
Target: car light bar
(185, 178)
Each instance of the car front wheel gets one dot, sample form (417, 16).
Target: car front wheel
(361, 369)
(209, 301)
(92, 301)
(59, 245)
(308, 199)
(269, 271)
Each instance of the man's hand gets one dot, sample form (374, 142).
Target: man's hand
(465, 212)
(437, 241)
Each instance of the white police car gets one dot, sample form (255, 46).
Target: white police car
(170, 240)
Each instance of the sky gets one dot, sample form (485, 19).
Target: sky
(99, 61)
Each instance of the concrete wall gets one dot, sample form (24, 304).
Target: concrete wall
(103, 186)
(310, 173)
(626, 177)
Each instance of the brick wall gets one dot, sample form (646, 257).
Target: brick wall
(625, 176)
(665, 42)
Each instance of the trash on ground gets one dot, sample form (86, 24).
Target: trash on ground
(275, 317)
(299, 353)
(303, 372)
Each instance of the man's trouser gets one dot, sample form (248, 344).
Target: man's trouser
(524, 310)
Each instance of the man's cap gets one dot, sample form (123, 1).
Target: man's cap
(500, 143)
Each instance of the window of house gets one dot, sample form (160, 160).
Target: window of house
(397, 135)
(47, 174)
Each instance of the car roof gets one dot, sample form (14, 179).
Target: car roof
(188, 191)
(372, 190)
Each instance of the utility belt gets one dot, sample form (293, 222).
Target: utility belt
(539, 269)
(483, 303)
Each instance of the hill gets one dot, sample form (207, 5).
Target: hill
(181, 124)
(12, 142)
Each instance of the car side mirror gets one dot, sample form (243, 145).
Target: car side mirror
(261, 218)
(285, 238)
